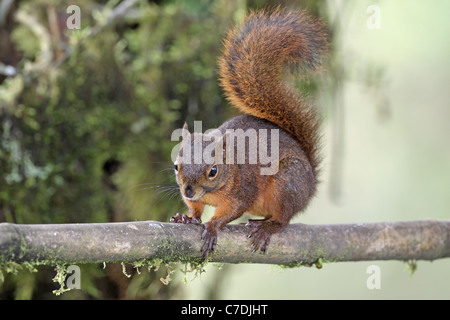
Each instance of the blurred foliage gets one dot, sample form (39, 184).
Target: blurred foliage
(85, 124)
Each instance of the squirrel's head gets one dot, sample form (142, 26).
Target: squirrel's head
(199, 167)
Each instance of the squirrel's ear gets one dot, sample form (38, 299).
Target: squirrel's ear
(185, 133)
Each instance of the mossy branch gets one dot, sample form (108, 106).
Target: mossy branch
(298, 244)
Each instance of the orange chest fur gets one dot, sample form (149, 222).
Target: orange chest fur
(264, 203)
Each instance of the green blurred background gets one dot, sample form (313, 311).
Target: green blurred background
(86, 117)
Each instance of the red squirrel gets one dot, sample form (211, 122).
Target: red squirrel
(251, 73)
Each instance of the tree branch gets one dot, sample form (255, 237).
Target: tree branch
(132, 242)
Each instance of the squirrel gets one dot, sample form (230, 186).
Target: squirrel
(251, 74)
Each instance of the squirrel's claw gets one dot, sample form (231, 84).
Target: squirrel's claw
(178, 218)
(261, 238)
(210, 237)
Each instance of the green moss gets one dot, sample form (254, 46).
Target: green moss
(124, 270)
(319, 263)
(170, 259)
(411, 266)
(12, 267)
(60, 278)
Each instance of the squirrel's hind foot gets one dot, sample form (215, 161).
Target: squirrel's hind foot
(261, 233)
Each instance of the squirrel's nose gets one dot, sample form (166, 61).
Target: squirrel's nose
(188, 191)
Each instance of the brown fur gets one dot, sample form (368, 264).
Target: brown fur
(251, 74)
(252, 64)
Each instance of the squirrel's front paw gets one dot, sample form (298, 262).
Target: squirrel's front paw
(210, 237)
(178, 218)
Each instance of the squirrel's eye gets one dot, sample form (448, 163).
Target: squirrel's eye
(212, 172)
(175, 166)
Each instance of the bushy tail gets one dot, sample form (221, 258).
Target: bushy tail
(251, 71)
